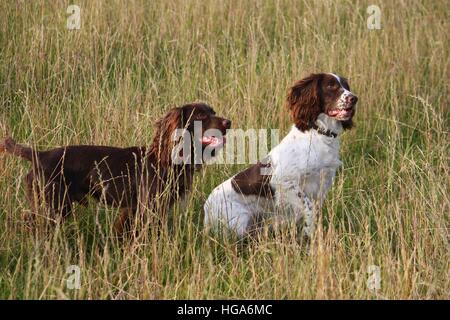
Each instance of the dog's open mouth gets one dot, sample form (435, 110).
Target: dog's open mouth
(341, 112)
(213, 141)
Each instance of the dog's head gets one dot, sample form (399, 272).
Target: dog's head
(321, 93)
(213, 128)
(197, 119)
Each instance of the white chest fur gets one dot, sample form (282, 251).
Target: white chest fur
(307, 160)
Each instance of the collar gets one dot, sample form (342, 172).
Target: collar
(325, 132)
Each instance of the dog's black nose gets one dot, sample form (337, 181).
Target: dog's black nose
(352, 99)
(226, 123)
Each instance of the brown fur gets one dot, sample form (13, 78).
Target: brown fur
(304, 103)
(252, 182)
(162, 142)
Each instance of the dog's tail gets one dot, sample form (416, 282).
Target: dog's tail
(10, 146)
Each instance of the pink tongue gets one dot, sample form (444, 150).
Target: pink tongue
(210, 140)
(338, 112)
(333, 112)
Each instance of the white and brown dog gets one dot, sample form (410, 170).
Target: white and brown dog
(290, 184)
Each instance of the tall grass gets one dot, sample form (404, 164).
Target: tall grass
(131, 60)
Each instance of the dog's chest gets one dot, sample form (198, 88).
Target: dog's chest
(309, 162)
(317, 182)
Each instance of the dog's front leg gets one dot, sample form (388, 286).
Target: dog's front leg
(300, 206)
(308, 214)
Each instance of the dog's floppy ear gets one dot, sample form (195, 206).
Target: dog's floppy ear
(164, 134)
(304, 103)
(171, 121)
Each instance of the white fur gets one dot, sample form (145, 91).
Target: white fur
(303, 166)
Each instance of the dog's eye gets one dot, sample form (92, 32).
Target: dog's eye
(331, 85)
(201, 116)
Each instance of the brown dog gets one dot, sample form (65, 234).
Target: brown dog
(122, 177)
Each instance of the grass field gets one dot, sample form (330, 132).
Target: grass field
(130, 61)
